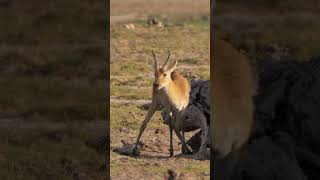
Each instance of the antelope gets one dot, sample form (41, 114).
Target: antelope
(233, 87)
(171, 91)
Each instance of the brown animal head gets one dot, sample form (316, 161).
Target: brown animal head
(163, 74)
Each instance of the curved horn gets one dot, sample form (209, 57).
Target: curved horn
(165, 63)
(155, 61)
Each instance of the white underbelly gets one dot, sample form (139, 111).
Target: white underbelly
(172, 106)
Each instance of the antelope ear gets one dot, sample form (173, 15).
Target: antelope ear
(171, 67)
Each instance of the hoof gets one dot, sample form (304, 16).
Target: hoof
(135, 152)
(171, 153)
(186, 150)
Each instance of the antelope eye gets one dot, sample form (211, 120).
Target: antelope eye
(164, 74)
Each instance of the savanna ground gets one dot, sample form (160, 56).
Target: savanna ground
(188, 38)
(53, 89)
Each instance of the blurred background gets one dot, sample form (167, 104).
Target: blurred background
(280, 37)
(53, 89)
(287, 28)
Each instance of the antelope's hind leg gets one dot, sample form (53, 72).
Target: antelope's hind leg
(179, 127)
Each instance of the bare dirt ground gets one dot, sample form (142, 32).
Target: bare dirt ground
(132, 75)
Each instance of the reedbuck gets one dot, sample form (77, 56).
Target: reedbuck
(171, 91)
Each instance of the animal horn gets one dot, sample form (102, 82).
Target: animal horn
(155, 61)
(166, 62)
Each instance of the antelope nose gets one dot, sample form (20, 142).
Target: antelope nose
(156, 85)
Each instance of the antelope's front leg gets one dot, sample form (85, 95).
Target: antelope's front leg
(152, 110)
(184, 147)
(179, 127)
(171, 143)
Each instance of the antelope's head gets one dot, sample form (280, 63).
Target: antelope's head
(163, 74)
